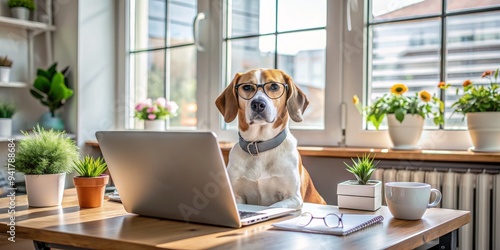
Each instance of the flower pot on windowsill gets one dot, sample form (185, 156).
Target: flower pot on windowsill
(154, 125)
(484, 130)
(405, 135)
(352, 195)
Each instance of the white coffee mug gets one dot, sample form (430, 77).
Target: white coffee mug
(409, 200)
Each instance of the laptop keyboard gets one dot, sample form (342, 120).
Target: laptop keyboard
(245, 214)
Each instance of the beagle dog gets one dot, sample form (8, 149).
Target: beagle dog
(265, 167)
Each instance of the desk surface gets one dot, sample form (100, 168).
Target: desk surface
(111, 227)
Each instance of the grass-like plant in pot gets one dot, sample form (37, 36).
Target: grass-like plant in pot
(7, 110)
(362, 193)
(91, 182)
(45, 156)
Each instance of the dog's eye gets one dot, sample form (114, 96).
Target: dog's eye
(248, 87)
(274, 87)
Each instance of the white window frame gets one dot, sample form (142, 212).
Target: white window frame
(355, 52)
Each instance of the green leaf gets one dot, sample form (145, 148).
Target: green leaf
(400, 114)
(42, 83)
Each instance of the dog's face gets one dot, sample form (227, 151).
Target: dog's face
(262, 96)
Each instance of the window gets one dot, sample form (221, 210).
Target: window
(423, 42)
(285, 34)
(236, 36)
(163, 57)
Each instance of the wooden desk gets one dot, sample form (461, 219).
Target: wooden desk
(110, 227)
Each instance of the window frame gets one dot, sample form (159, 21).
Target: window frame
(356, 135)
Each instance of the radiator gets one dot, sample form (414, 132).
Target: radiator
(478, 192)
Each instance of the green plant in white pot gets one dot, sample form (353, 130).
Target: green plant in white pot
(7, 110)
(362, 193)
(5, 67)
(45, 156)
(21, 8)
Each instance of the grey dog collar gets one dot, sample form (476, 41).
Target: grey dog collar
(256, 147)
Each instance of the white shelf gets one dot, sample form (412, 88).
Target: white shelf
(30, 25)
(18, 137)
(13, 84)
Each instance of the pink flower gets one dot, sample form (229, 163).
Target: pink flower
(172, 107)
(161, 101)
(139, 106)
(151, 116)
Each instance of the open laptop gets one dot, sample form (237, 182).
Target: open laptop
(176, 175)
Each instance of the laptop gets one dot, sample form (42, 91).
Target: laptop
(176, 175)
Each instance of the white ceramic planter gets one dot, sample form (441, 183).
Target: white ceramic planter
(20, 13)
(351, 195)
(45, 190)
(484, 130)
(5, 127)
(154, 125)
(405, 135)
(4, 74)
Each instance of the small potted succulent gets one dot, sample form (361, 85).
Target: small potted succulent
(7, 110)
(362, 193)
(91, 182)
(5, 67)
(45, 156)
(21, 8)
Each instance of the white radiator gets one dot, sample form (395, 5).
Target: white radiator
(475, 192)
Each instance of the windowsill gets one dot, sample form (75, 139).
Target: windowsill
(382, 154)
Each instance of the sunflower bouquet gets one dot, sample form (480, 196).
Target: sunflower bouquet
(422, 103)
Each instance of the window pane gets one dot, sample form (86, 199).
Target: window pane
(148, 24)
(291, 13)
(251, 17)
(302, 56)
(394, 9)
(473, 46)
(462, 5)
(180, 21)
(249, 53)
(182, 81)
(148, 74)
(405, 52)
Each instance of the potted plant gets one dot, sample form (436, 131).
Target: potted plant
(51, 88)
(405, 114)
(362, 193)
(21, 8)
(5, 67)
(480, 104)
(7, 110)
(91, 182)
(154, 113)
(45, 156)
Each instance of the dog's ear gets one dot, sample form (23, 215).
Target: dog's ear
(227, 102)
(297, 101)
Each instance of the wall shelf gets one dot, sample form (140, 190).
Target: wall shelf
(13, 85)
(25, 24)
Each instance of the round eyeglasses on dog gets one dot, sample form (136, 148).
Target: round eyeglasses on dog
(330, 220)
(273, 90)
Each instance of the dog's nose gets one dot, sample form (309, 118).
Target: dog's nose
(258, 105)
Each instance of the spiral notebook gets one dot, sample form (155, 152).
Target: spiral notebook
(352, 223)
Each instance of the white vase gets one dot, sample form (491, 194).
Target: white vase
(20, 13)
(484, 130)
(405, 135)
(154, 125)
(4, 74)
(352, 195)
(5, 127)
(45, 190)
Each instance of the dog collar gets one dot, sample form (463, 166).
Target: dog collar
(256, 147)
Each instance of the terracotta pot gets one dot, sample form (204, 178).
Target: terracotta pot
(90, 190)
